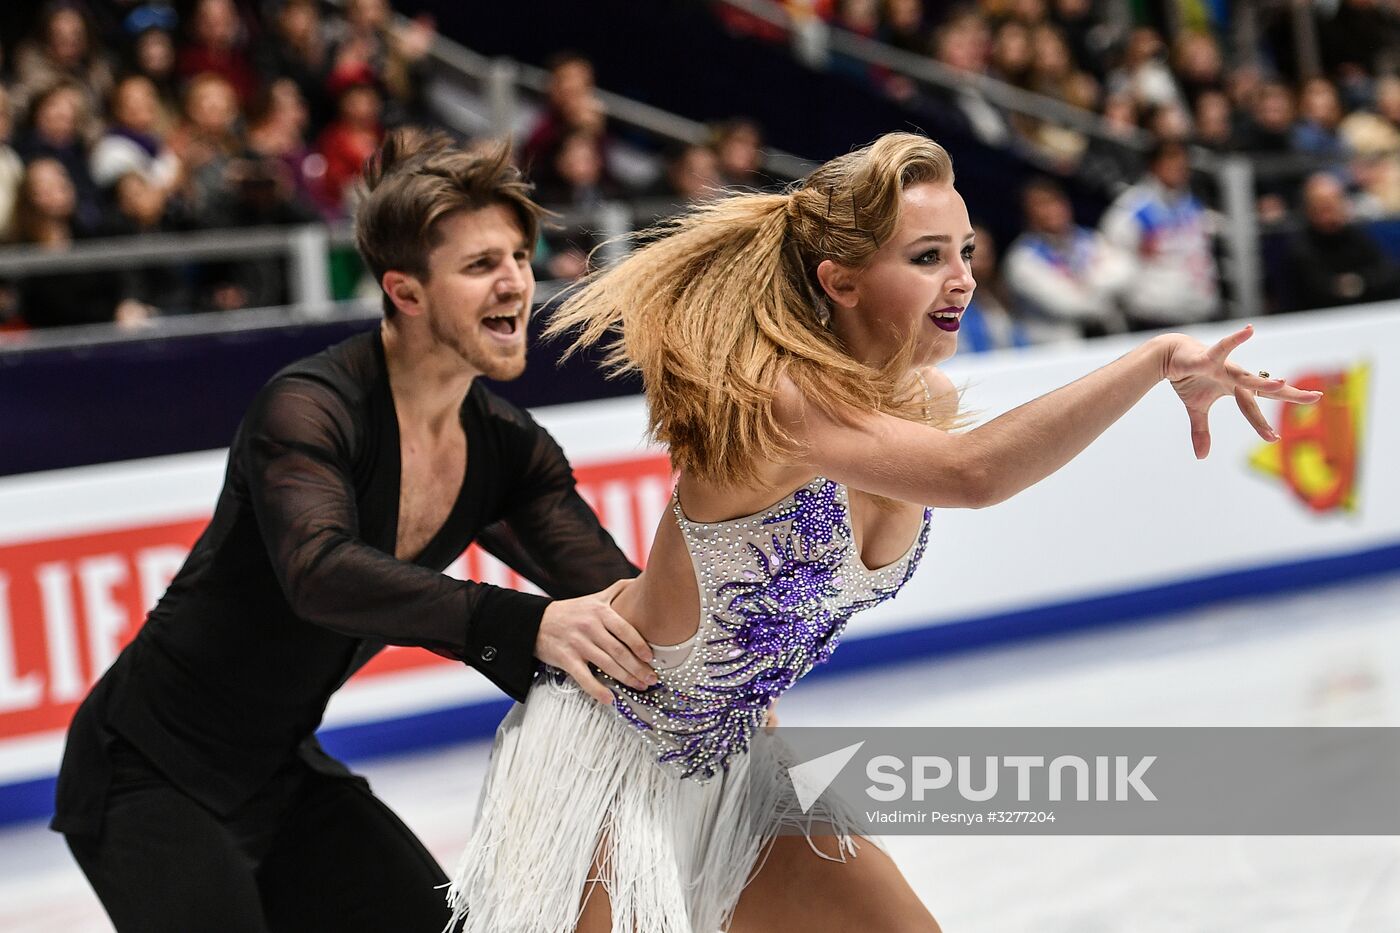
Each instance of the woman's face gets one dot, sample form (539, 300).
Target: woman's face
(67, 38)
(135, 105)
(916, 286)
(57, 117)
(50, 191)
(212, 107)
(155, 53)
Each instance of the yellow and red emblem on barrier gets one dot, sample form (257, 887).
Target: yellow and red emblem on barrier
(1319, 447)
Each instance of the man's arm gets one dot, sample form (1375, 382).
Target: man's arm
(548, 533)
(294, 452)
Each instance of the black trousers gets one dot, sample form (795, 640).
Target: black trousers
(310, 852)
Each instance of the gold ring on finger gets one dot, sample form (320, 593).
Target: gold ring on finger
(1263, 374)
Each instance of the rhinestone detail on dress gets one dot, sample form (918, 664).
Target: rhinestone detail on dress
(776, 591)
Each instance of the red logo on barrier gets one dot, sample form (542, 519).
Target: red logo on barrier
(1319, 445)
(68, 605)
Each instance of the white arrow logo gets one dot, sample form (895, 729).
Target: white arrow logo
(811, 778)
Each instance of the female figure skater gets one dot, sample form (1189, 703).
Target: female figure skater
(787, 343)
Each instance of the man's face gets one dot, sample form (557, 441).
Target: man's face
(1325, 204)
(479, 288)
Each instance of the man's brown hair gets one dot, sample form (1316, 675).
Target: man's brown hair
(417, 178)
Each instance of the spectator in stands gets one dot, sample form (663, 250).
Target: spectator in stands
(1143, 73)
(349, 140)
(64, 50)
(987, 324)
(277, 133)
(1064, 279)
(904, 26)
(1334, 261)
(218, 44)
(571, 106)
(1387, 99)
(45, 217)
(144, 207)
(11, 170)
(963, 43)
(1053, 74)
(1030, 12)
(1375, 140)
(1317, 132)
(576, 176)
(207, 140)
(738, 144)
(396, 55)
(1085, 35)
(152, 30)
(1214, 119)
(1167, 121)
(1270, 127)
(1011, 57)
(54, 133)
(299, 50)
(861, 17)
(259, 195)
(1269, 132)
(133, 142)
(1051, 64)
(1197, 66)
(577, 185)
(693, 174)
(1166, 234)
(1112, 165)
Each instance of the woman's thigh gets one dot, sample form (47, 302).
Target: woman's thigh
(796, 889)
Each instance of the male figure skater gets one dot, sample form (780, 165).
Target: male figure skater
(193, 793)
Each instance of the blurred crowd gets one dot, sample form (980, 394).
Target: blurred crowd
(167, 116)
(1333, 106)
(124, 117)
(1316, 109)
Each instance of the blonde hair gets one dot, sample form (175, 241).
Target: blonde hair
(724, 300)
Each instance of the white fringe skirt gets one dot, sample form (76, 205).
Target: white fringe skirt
(574, 795)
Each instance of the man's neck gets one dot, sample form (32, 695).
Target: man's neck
(428, 380)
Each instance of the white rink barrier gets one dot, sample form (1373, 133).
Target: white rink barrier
(1134, 526)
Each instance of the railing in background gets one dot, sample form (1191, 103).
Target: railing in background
(307, 252)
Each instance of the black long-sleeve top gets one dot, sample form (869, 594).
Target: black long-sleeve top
(293, 586)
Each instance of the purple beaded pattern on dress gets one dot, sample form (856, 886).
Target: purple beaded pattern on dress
(792, 580)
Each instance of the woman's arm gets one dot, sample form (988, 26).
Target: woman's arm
(892, 457)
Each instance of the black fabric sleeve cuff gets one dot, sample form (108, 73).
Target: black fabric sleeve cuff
(501, 638)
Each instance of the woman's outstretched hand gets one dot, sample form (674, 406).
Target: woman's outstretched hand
(1201, 375)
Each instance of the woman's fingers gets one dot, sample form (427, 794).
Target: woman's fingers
(1200, 431)
(1293, 395)
(1249, 407)
(1253, 381)
(1227, 345)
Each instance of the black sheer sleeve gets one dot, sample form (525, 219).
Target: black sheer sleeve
(295, 451)
(549, 535)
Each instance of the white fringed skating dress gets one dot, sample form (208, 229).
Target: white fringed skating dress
(656, 795)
